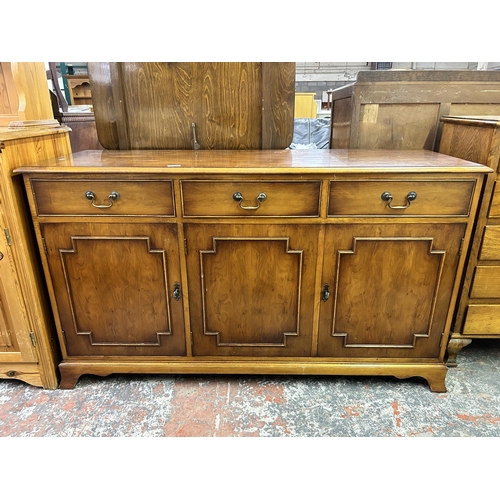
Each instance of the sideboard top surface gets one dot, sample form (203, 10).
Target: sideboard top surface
(258, 161)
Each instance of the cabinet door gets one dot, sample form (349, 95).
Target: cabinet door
(15, 343)
(113, 285)
(391, 286)
(251, 289)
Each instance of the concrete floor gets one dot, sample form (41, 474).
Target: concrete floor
(276, 406)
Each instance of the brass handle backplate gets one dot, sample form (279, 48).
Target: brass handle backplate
(325, 294)
(238, 197)
(177, 291)
(386, 196)
(113, 196)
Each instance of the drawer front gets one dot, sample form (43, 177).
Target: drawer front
(73, 197)
(432, 198)
(250, 199)
(490, 249)
(482, 319)
(495, 202)
(486, 284)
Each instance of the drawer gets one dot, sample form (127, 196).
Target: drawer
(250, 199)
(444, 198)
(495, 202)
(490, 248)
(482, 319)
(63, 197)
(486, 284)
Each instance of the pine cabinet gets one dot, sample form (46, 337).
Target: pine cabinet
(79, 89)
(24, 95)
(266, 262)
(28, 345)
(13, 348)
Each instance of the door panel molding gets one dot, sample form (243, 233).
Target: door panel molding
(77, 245)
(434, 268)
(286, 301)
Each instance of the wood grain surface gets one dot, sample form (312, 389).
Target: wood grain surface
(23, 298)
(321, 161)
(113, 286)
(252, 293)
(146, 105)
(402, 109)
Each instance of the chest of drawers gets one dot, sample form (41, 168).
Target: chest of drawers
(264, 262)
(477, 138)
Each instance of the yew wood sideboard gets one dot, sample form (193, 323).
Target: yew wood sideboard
(477, 138)
(254, 262)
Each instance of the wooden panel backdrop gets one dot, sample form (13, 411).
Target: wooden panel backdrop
(232, 105)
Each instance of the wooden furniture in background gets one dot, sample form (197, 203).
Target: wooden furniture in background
(82, 129)
(477, 138)
(9, 101)
(58, 101)
(83, 133)
(24, 95)
(28, 345)
(79, 89)
(305, 105)
(226, 105)
(402, 109)
(263, 262)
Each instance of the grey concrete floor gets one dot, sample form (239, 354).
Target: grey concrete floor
(270, 406)
(333, 409)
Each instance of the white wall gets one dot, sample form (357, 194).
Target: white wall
(346, 71)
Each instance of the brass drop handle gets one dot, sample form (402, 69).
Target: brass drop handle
(1, 255)
(238, 197)
(325, 294)
(177, 291)
(196, 144)
(386, 196)
(113, 196)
